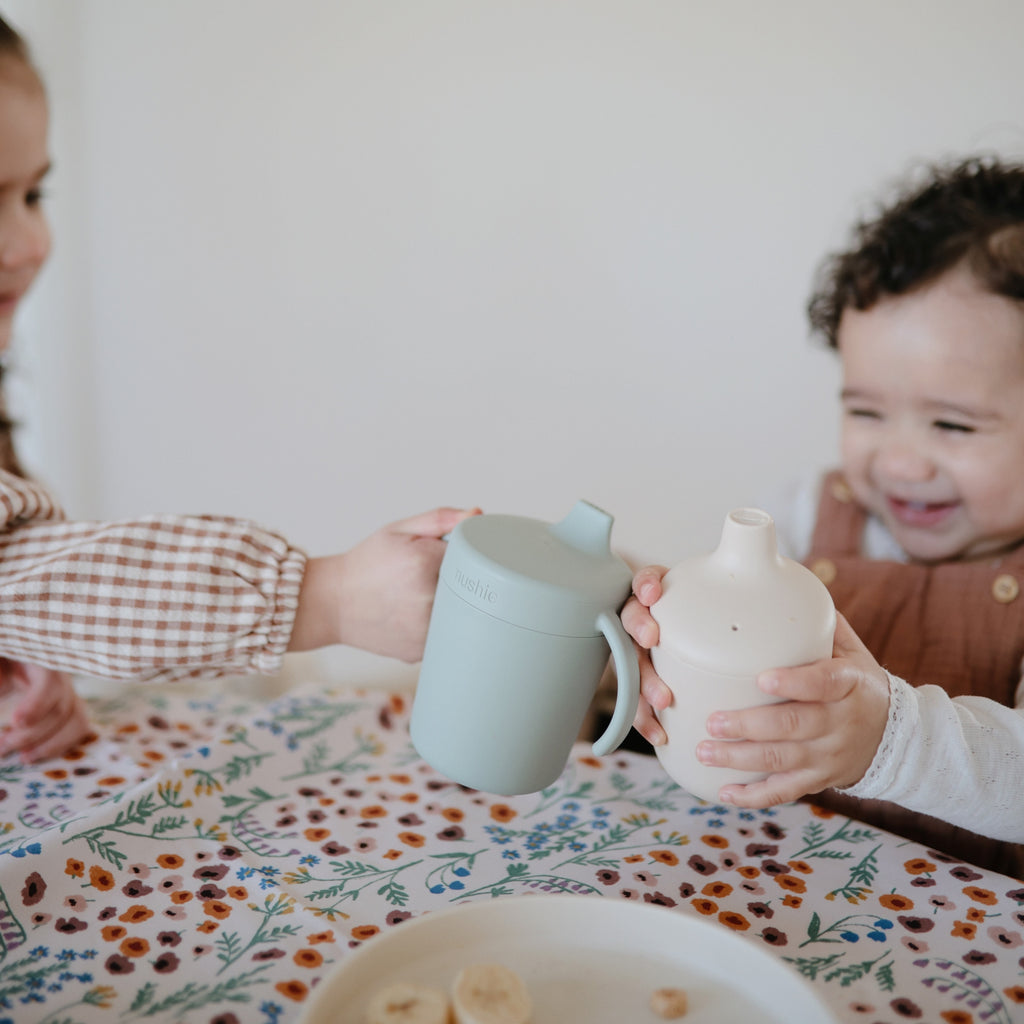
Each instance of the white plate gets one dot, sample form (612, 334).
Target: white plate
(584, 958)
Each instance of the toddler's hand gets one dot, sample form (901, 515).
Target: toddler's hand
(378, 596)
(825, 734)
(640, 625)
(49, 718)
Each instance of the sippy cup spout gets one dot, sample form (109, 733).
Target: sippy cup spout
(587, 528)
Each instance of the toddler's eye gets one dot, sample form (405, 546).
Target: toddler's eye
(954, 428)
(864, 414)
(34, 197)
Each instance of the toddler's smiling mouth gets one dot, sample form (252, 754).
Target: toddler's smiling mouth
(920, 513)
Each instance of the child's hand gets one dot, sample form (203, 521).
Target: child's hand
(637, 620)
(378, 596)
(825, 734)
(49, 717)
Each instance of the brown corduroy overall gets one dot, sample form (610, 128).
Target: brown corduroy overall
(959, 625)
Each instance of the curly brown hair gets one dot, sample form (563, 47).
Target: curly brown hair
(971, 212)
(12, 43)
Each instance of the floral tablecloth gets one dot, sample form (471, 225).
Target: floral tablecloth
(209, 859)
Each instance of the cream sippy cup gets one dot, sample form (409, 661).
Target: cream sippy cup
(723, 619)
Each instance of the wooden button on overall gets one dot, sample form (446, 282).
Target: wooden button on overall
(824, 569)
(1005, 588)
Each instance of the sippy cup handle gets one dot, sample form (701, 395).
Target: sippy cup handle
(627, 668)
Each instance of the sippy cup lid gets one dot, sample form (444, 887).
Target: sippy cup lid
(744, 607)
(554, 578)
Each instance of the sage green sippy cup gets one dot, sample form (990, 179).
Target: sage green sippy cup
(524, 616)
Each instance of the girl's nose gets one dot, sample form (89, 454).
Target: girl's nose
(900, 458)
(24, 239)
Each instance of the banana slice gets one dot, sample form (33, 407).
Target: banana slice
(490, 994)
(403, 1003)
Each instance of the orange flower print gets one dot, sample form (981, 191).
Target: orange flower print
(207, 926)
(704, 907)
(113, 932)
(963, 930)
(975, 914)
(980, 895)
(633, 858)
(718, 842)
(238, 892)
(802, 866)
(56, 773)
(957, 1017)
(181, 896)
(136, 914)
(820, 812)
(791, 883)
(170, 860)
(134, 947)
(74, 868)
(733, 920)
(918, 866)
(719, 890)
(1015, 994)
(453, 814)
(401, 778)
(376, 811)
(592, 762)
(308, 958)
(317, 835)
(793, 901)
(216, 908)
(664, 857)
(101, 878)
(411, 838)
(502, 812)
(364, 931)
(318, 937)
(392, 854)
(894, 901)
(749, 871)
(294, 990)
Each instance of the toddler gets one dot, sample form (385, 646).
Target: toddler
(162, 598)
(919, 536)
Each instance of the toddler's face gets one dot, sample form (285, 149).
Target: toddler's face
(24, 234)
(933, 417)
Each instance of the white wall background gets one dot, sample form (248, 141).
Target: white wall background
(327, 263)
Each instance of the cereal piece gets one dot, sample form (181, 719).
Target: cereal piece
(403, 1003)
(669, 1003)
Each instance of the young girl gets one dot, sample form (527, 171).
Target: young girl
(162, 598)
(919, 537)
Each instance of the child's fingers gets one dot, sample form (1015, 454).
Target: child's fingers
(781, 788)
(777, 756)
(639, 624)
(819, 682)
(42, 689)
(790, 720)
(72, 730)
(647, 584)
(648, 725)
(435, 523)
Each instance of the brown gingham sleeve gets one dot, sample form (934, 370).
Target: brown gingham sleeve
(161, 598)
